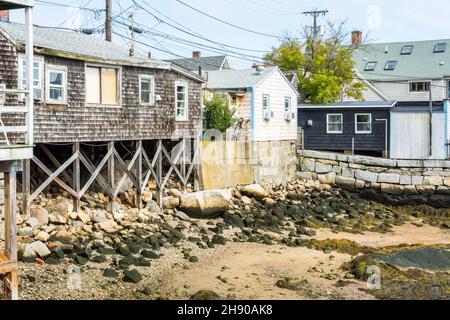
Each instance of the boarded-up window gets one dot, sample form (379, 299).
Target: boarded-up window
(109, 86)
(93, 85)
(102, 86)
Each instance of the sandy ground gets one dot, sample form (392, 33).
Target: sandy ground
(234, 271)
(408, 234)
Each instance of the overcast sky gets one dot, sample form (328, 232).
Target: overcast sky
(383, 20)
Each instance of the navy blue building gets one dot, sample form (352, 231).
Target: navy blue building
(345, 126)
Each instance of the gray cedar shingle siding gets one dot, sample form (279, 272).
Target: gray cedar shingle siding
(77, 122)
(316, 137)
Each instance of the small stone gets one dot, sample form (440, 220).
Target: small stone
(193, 259)
(64, 237)
(132, 276)
(27, 254)
(99, 259)
(149, 254)
(110, 273)
(41, 249)
(42, 236)
(83, 217)
(52, 261)
(33, 223)
(80, 260)
(25, 232)
(57, 218)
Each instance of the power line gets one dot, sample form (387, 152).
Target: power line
(230, 24)
(43, 2)
(193, 34)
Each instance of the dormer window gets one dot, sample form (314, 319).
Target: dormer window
(407, 50)
(370, 66)
(440, 47)
(390, 65)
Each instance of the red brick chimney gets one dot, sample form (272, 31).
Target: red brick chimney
(4, 15)
(196, 55)
(357, 38)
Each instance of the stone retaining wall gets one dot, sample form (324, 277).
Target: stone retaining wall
(396, 177)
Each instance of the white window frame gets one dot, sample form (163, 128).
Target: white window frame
(40, 61)
(60, 69)
(186, 115)
(370, 63)
(419, 81)
(356, 123)
(395, 62)
(266, 116)
(119, 85)
(328, 123)
(288, 113)
(151, 79)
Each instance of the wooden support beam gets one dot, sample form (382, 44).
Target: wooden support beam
(55, 162)
(139, 189)
(173, 166)
(53, 176)
(183, 163)
(111, 169)
(127, 171)
(76, 177)
(26, 187)
(10, 229)
(96, 173)
(159, 174)
(92, 169)
(151, 166)
(61, 183)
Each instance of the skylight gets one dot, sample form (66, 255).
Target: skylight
(407, 50)
(390, 65)
(370, 66)
(440, 47)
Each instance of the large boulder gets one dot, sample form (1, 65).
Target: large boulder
(255, 191)
(40, 214)
(59, 210)
(206, 204)
(170, 202)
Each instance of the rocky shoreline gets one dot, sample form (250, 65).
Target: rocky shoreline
(125, 241)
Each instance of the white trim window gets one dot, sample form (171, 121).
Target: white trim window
(288, 108)
(181, 101)
(103, 85)
(38, 72)
(335, 123)
(266, 106)
(56, 84)
(146, 90)
(363, 123)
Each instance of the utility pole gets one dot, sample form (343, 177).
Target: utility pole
(132, 47)
(108, 23)
(315, 14)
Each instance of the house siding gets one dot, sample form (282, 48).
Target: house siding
(317, 138)
(399, 91)
(277, 128)
(76, 122)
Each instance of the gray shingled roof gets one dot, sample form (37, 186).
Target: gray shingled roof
(423, 63)
(236, 79)
(87, 46)
(207, 63)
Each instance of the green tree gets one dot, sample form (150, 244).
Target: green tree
(218, 114)
(324, 66)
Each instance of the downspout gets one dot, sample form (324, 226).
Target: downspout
(252, 114)
(447, 127)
